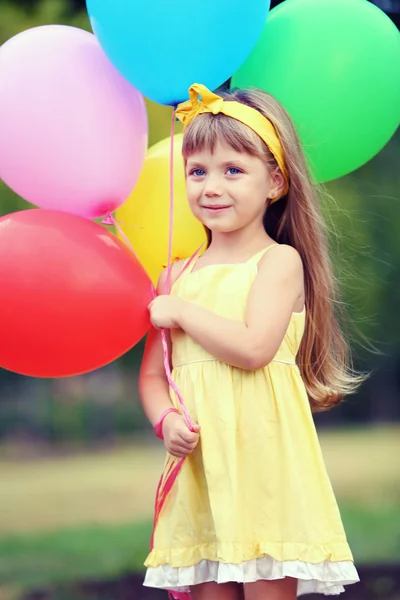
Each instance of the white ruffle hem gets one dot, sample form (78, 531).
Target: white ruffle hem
(326, 577)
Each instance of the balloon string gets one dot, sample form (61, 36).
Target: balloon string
(171, 203)
(167, 367)
(167, 287)
(111, 220)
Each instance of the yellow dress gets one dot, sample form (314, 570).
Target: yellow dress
(254, 500)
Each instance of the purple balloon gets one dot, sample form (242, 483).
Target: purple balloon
(73, 130)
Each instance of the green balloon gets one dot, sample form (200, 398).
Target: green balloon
(335, 67)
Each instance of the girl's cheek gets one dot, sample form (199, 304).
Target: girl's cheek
(193, 205)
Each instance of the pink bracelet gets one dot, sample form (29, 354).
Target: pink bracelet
(159, 424)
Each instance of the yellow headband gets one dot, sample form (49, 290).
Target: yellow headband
(210, 102)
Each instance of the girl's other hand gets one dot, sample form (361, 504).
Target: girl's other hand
(165, 312)
(178, 439)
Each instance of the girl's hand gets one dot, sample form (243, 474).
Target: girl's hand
(178, 439)
(165, 312)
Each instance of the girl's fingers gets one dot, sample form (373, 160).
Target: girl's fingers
(181, 450)
(184, 446)
(177, 454)
(188, 436)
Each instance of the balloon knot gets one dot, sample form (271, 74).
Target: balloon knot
(108, 219)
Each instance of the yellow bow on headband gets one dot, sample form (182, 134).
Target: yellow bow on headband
(212, 103)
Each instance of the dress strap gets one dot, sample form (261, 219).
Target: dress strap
(188, 263)
(254, 260)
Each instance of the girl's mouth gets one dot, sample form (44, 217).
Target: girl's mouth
(215, 208)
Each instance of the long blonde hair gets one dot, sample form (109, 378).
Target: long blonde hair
(324, 356)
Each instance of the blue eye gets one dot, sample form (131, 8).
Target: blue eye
(234, 171)
(197, 172)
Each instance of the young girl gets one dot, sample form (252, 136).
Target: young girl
(255, 348)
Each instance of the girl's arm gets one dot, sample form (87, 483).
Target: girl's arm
(153, 384)
(251, 344)
(155, 398)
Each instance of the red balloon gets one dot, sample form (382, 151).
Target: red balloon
(72, 296)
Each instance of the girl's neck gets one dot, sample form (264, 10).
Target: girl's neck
(238, 245)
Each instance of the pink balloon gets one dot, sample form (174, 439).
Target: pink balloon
(73, 130)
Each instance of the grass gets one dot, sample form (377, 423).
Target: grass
(89, 515)
(77, 553)
(373, 533)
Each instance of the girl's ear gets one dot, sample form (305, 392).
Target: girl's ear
(277, 183)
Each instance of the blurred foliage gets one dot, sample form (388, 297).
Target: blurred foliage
(92, 408)
(65, 421)
(15, 17)
(366, 246)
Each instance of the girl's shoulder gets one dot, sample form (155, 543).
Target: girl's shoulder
(176, 269)
(282, 256)
(282, 270)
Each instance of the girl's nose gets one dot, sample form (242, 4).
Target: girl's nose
(212, 187)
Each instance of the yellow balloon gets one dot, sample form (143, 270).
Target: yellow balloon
(144, 217)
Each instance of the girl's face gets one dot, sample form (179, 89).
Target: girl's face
(227, 190)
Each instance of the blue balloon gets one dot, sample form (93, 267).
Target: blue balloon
(163, 47)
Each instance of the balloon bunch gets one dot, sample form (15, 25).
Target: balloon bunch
(73, 142)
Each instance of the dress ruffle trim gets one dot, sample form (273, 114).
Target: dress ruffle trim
(239, 552)
(325, 577)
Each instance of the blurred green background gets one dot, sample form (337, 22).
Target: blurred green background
(78, 462)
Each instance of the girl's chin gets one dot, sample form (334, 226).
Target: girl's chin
(214, 228)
